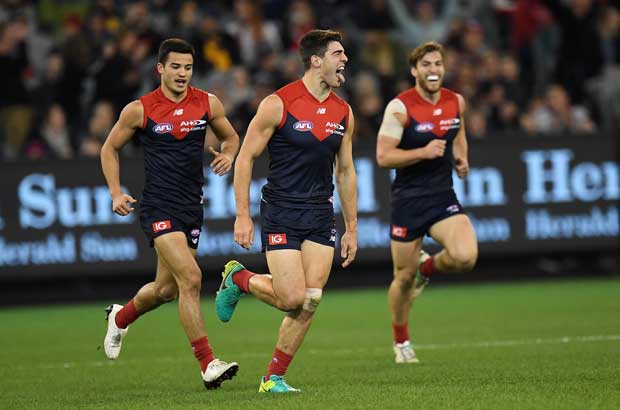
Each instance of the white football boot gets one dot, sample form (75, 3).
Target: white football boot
(218, 371)
(404, 353)
(420, 280)
(114, 336)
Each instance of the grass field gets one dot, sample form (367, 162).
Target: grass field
(547, 345)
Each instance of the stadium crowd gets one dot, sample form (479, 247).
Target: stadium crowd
(537, 67)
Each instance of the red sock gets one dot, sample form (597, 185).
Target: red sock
(242, 279)
(279, 363)
(127, 315)
(203, 352)
(427, 268)
(401, 332)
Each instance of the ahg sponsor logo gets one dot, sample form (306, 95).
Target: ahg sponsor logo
(303, 126)
(163, 128)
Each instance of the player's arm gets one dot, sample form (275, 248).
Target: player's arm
(128, 122)
(260, 130)
(226, 134)
(459, 145)
(390, 134)
(346, 182)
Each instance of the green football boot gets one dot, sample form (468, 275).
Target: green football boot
(275, 384)
(228, 295)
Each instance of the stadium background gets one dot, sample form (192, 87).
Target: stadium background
(540, 79)
(542, 83)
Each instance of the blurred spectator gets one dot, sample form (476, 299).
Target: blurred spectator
(52, 139)
(426, 24)
(217, 49)
(367, 106)
(255, 36)
(580, 54)
(475, 123)
(15, 111)
(99, 126)
(609, 29)
(299, 20)
(557, 115)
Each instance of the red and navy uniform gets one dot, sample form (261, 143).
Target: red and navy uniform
(297, 199)
(422, 193)
(173, 136)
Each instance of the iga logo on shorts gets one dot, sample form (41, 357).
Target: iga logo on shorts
(424, 127)
(303, 126)
(277, 239)
(163, 128)
(161, 226)
(195, 232)
(399, 231)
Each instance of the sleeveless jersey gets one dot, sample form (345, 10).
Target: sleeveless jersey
(426, 122)
(303, 149)
(173, 136)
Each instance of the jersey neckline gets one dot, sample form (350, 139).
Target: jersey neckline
(316, 100)
(187, 95)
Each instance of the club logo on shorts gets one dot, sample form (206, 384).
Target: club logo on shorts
(453, 208)
(277, 239)
(161, 226)
(399, 231)
(303, 126)
(195, 232)
(332, 238)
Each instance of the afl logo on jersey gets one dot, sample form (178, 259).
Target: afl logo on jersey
(424, 127)
(162, 128)
(303, 126)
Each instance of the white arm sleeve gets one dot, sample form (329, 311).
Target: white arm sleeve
(391, 126)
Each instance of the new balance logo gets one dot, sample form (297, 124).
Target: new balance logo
(178, 112)
(321, 110)
(437, 112)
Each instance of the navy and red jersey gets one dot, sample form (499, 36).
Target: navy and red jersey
(303, 149)
(173, 136)
(425, 122)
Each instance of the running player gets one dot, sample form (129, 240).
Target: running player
(423, 137)
(305, 127)
(171, 123)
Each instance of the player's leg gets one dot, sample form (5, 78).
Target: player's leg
(153, 294)
(405, 256)
(174, 250)
(460, 248)
(316, 260)
(237, 281)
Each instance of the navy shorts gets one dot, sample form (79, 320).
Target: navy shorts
(287, 228)
(412, 218)
(156, 222)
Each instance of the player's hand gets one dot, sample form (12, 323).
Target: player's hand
(435, 149)
(222, 164)
(121, 204)
(462, 167)
(348, 247)
(244, 231)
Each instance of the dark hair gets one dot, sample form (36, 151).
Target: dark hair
(315, 42)
(176, 45)
(424, 49)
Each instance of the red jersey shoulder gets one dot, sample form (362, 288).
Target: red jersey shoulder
(201, 98)
(291, 91)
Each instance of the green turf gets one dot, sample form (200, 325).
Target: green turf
(547, 345)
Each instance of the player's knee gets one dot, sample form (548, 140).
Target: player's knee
(167, 293)
(293, 300)
(404, 276)
(465, 259)
(191, 280)
(312, 299)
